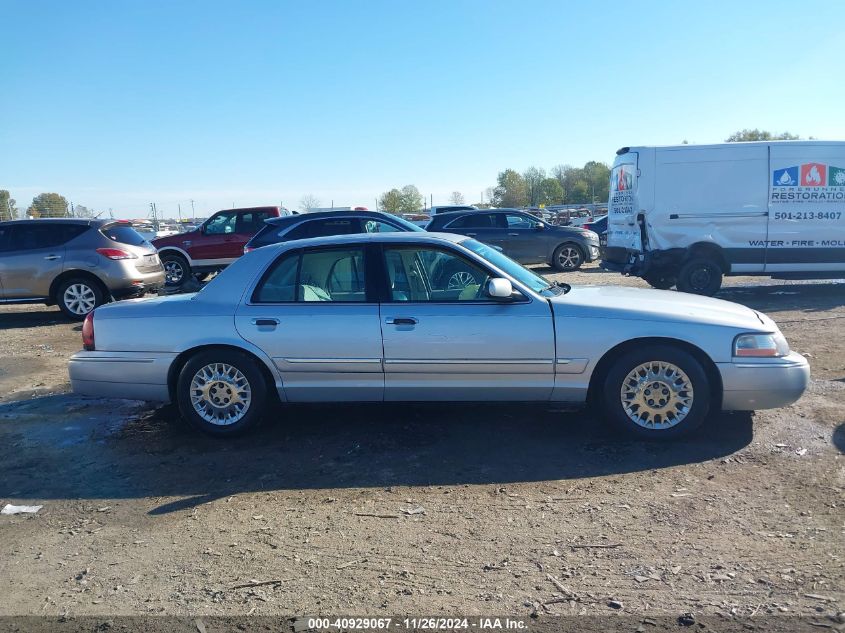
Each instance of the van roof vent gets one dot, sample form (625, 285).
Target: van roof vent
(623, 150)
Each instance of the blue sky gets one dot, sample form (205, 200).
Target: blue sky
(118, 104)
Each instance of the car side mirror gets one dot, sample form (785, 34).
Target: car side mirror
(540, 226)
(499, 288)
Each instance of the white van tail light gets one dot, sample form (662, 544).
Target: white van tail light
(88, 332)
(760, 346)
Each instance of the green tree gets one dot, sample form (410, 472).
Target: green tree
(391, 201)
(598, 180)
(533, 177)
(759, 135)
(8, 208)
(510, 190)
(48, 205)
(411, 199)
(550, 192)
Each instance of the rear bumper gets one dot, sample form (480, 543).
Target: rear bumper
(763, 383)
(129, 375)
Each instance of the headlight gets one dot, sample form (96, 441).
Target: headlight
(760, 345)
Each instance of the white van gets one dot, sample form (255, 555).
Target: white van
(689, 214)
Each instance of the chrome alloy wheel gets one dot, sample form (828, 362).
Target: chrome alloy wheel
(220, 394)
(79, 299)
(173, 272)
(460, 280)
(657, 395)
(569, 257)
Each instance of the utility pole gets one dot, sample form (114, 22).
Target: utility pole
(179, 206)
(193, 213)
(376, 204)
(431, 200)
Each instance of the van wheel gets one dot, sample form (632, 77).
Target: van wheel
(221, 392)
(567, 257)
(661, 392)
(78, 296)
(700, 276)
(176, 269)
(660, 281)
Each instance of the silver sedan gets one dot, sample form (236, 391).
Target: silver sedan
(385, 317)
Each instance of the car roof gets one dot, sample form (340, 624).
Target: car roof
(363, 238)
(73, 221)
(287, 219)
(473, 211)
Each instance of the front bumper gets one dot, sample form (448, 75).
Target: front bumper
(129, 375)
(751, 384)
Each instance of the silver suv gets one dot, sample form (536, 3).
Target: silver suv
(75, 264)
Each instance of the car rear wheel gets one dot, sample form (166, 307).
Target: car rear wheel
(568, 257)
(176, 269)
(701, 276)
(221, 392)
(78, 296)
(661, 392)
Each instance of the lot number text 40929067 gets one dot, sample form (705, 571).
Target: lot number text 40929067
(415, 624)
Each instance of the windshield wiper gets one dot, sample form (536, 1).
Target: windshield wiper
(559, 284)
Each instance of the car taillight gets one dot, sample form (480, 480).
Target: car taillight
(88, 332)
(116, 253)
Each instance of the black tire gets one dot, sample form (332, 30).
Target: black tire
(568, 257)
(661, 281)
(176, 269)
(254, 384)
(700, 276)
(77, 296)
(614, 403)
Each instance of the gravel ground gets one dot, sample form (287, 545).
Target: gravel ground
(384, 510)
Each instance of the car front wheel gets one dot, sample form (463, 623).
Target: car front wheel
(77, 297)
(659, 392)
(701, 276)
(221, 392)
(568, 257)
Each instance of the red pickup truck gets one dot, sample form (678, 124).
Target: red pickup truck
(214, 245)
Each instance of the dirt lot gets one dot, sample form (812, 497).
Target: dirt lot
(383, 510)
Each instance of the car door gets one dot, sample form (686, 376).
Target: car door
(247, 224)
(524, 240)
(35, 257)
(216, 242)
(314, 313)
(453, 343)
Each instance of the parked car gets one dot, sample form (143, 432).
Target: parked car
(370, 317)
(75, 264)
(691, 214)
(599, 226)
(217, 242)
(298, 227)
(523, 237)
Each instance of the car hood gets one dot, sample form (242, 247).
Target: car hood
(613, 302)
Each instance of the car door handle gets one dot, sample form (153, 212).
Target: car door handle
(471, 234)
(514, 234)
(265, 322)
(401, 321)
(52, 257)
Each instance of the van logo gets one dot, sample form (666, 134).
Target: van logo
(837, 176)
(624, 180)
(785, 177)
(813, 175)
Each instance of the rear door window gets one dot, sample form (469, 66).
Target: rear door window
(325, 226)
(320, 275)
(27, 237)
(123, 233)
(474, 221)
(252, 221)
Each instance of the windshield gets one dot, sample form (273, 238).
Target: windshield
(505, 263)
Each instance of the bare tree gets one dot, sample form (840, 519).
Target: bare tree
(457, 198)
(307, 202)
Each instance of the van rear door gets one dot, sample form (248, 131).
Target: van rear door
(623, 233)
(806, 207)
